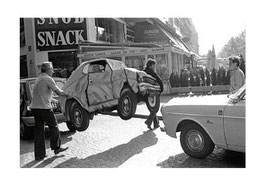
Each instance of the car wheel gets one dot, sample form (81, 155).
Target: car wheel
(70, 126)
(127, 104)
(196, 142)
(153, 102)
(79, 117)
(26, 132)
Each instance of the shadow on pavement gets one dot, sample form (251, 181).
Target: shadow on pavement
(43, 164)
(28, 144)
(116, 156)
(218, 159)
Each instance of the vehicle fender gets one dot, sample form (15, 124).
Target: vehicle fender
(68, 105)
(131, 77)
(214, 130)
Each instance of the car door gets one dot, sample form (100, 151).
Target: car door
(99, 83)
(235, 124)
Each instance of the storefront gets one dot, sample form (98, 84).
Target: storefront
(168, 58)
(57, 39)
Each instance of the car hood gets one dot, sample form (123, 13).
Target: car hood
(196, 104)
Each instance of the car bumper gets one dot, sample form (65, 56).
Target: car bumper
(29, 121)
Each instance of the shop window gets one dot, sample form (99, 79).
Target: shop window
(162, 65)
(64, 63)
(135, 62)
(104, 30)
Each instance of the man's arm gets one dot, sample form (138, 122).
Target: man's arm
(61, 93)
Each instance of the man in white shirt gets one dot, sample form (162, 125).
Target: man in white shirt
(237, 77)
(42, 110)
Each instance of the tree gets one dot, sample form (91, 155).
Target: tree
(172, 81)
(214, 77)
(184, 79)
(208, 79)
(177, 80)
(192, 79)
(235, 46)
(228, 72)
(221, 76)
(202, 76)
(197, 79)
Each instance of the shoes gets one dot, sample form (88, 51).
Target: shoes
(148, 124)
(40, 158)
(57, 151)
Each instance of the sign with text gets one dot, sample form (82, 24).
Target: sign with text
(125, 52)
(149, 33)
(59, 33)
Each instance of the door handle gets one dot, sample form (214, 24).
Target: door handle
(209, 122)
(90, 81)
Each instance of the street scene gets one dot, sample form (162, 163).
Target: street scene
(110, 142)
(131, 93)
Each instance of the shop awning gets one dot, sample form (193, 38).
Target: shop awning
(175, 41)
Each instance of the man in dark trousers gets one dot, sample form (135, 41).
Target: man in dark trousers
(150, 69)
(42, 110)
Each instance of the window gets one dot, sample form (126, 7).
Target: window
(130, 34)
(64, 63)
(104, 30)
(96, 67)
(162, 66)
(22, 33)
(135, 62)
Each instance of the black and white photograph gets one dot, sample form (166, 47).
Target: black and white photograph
(125, 88)
(157, 92)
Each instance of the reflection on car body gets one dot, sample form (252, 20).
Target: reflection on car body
(207, 121)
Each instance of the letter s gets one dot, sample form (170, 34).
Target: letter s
(40, 21)
(41, 40)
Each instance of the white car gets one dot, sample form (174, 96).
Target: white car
(206, 121)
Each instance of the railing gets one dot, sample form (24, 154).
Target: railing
(199, 89)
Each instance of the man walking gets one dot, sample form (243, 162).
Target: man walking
(42, 110)
(150, 69)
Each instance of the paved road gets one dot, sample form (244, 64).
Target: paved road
(111, 142)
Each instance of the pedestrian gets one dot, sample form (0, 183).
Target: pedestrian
(237, 77)
(150, 69)
(41, 107)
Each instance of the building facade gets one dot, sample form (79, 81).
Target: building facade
(69, 41)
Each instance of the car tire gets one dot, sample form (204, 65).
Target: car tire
(153, 102)
(79, 117)
(127, 104)
(70, 126)
(26, 132)
(196, 142)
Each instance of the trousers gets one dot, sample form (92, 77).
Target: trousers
(41, 117)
